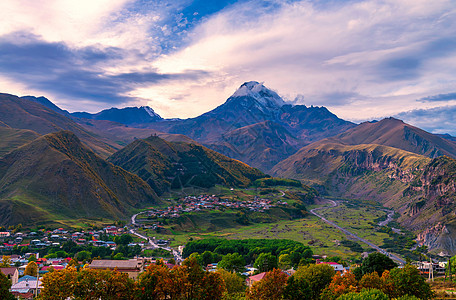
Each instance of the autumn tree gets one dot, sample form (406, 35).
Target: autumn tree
(319, 276)
(103, 284)
(371, 281)
(340, 284)
(6, 261)
(88, 284)
(375, 262)
(31, 269)
(233, 282)
(271, 287)
(265, 262)
(5, 285)
(201, 284)
(59, 284)
(154, 282)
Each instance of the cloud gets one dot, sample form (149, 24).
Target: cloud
(77, 73)
(363, 59)
(439, 97)
(436, 120)
(373, 51)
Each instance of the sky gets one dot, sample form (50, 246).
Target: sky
(363, 60)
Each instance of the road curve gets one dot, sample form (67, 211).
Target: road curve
(177, 257)
(334, 204)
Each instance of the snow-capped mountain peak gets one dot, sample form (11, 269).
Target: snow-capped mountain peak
(260, 93)
(151, 112)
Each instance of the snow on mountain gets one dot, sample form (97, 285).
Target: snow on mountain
(260, 93)
(151, 112)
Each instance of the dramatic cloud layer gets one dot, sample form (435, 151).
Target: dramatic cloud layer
(361, 59)
(437, 120)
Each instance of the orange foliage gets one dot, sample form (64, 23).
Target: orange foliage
(271, 287)
(340, 285)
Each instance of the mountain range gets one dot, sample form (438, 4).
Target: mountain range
(397, 164)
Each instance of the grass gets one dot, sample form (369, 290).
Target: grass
(310, 230)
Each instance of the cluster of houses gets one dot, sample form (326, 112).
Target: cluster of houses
(54, 238)
(28, 287)
(211, 202)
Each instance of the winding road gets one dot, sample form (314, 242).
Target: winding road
(177, 256)
(334, 204)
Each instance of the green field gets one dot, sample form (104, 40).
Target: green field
(359, 217)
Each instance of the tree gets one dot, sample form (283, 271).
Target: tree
(103, 284)
(318, 276)
(6, 262)
(271, 287)
(73, 263)
(340, 285)
(31, 269)
(408, 281)
(372, 294)
(83, 256)
(201, 284)
(375, 262)
(154, 282)
(232, 262)
(371, 281)
(59, 284)
(32, 258)
(265, 262)
(5, 285)
(118, 256)
(233, 282)
(285, 261)
(124, 239)
(297, 289)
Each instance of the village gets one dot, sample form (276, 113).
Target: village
(21, 249)
(211, 202)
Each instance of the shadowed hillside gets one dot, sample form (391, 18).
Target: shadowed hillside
(22, 113)
(56, 178)
(164, 165)
(11, 138)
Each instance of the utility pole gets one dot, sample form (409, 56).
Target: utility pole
(431, 270)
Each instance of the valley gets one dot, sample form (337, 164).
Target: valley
(104, 167)
(359, 229)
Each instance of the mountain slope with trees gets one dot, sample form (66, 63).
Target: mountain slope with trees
(165, 165)
(56, 178)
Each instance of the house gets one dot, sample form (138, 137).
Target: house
(255, 278)
(337, 267)
(12, 274)
(25, 287)
(4, 234)
(132, 266)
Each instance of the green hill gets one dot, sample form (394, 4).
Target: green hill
(165, 165)
(56, 179)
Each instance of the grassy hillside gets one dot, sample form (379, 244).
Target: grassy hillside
(395, 133)
(261, 145)
(11, 138)
(25, 114)
(55, 179)
(164, 165)
(422, 190)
